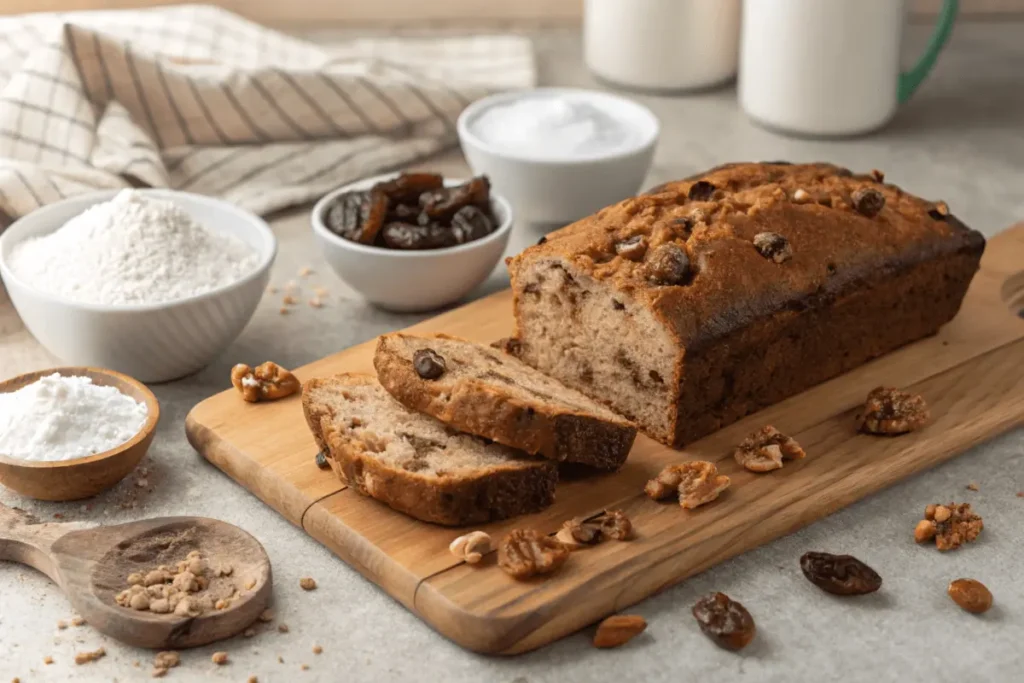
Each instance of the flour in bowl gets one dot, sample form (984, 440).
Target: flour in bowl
(134, 249)
(64, 418)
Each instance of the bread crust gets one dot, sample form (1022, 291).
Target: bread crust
(750, 331)
(477, 407)
(500, 493)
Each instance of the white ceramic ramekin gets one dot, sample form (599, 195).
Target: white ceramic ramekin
(150, 342)
(560, 191)
(411, 280)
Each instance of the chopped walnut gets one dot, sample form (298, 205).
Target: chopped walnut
(471, 547)
(891, 411)
(615, 524)
(576, 533)
(765, 449)
(526, 552)
(267, 382)
(950, 525)
(697, 482)
(632, 248)
(773, 246)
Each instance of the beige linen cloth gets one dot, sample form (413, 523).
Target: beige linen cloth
(195, 98)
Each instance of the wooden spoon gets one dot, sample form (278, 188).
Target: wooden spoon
(91, 565)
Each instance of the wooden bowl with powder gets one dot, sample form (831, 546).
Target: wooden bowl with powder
(82, 477)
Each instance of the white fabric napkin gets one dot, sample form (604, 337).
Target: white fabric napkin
(195, 98)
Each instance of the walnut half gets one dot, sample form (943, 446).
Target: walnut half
(891, 411)
(527, 552)
(697, 482)
(765, 449)
(268, 382)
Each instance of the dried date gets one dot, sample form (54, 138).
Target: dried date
(413, 237)
(442, 204)
(470, 223)
(839, 574)
(407, 187)
(725, 621)
(358, 216)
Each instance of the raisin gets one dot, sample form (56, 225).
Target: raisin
(470, 223)
(701, 191)
(632, 248)
(668, 265)
(868, 201)
(429, 364)
(408, 236)
(407, 188)
(358, 216)
(839, 574)
(440, 205)
(773, 246)
(725, 621)
(321, 461)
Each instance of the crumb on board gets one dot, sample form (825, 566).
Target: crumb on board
(307, 583)
(252, 679)
(249, 632)
(280, 659)
(61, 625)
(972, 486)
(219, 658)
(283, 628)
(77, 621)
(266, 616)
(305, 271)
(289, 300)
(271, 289)
(304, 667)
(47, 660)
(317, 649)
(90, 656)
(315, 302)
(283, 311)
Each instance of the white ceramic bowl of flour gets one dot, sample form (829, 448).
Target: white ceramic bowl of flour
(153, 342)
(559, 154)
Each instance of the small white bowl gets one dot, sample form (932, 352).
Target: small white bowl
(562, 190)
(151, 342)
(411, 280)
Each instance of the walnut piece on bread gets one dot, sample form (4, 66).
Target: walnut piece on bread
(267, 382)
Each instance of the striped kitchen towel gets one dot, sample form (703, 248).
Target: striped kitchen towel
(195, 98)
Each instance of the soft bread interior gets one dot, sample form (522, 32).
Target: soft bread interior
(594, 339)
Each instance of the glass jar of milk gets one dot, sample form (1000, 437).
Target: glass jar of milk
(662, 45)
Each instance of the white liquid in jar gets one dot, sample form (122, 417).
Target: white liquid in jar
(555, 127)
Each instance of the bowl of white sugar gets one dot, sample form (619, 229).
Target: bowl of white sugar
(70, 433)
(151, 283)
(559, 154)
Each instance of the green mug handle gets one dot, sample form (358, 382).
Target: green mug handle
(910, 80)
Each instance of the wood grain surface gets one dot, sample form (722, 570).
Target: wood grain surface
(971, 373)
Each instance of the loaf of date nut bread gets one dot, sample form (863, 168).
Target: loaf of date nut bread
(709, 298)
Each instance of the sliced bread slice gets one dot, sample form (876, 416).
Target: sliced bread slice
(416, 464)
(490, 393)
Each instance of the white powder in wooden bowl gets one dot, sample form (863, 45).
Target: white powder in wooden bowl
(134, 249)
(64, 418)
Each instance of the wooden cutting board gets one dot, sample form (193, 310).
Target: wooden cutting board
(972, 374)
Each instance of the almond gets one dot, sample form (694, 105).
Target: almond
(618, 629)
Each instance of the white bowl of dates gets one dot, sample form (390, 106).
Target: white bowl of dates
(559, 154)
(413, 241)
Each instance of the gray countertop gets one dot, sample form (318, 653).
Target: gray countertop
(960, 139)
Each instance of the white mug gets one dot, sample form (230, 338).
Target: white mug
(829, 67)
(662, 45)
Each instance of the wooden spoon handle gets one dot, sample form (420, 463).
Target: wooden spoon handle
(25, 539)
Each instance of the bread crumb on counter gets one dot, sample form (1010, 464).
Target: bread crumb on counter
(306, 583)
(86, 657)
(219, 658)
(317, 649)
(283, 628)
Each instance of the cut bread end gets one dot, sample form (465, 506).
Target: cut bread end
(487, 392)
(418, 465)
